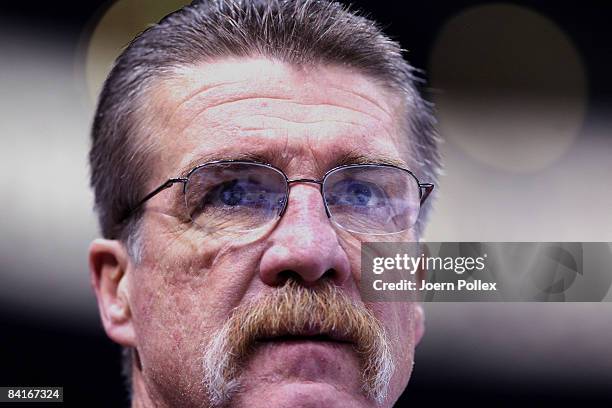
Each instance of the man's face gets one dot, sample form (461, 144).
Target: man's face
(190, 282)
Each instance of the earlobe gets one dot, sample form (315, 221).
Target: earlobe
(108, 265)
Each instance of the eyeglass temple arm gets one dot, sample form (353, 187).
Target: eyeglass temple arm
(426, 189)
(169, 183)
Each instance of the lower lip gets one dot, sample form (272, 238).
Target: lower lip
(304, 339)
(305, 357)
(294, 363)
(304, 345)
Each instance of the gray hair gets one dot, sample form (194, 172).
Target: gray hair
(298, 32)
(293, 31)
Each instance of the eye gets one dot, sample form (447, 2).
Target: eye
(359, 193)
(241, 193)
(356, 193)
(231, 193)
(234, 196)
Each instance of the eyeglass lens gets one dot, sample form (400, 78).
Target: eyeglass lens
(372, 199)
(234, 196)
(241, 196)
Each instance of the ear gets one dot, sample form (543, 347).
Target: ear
(108, 267)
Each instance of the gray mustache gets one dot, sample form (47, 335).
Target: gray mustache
(294, 310)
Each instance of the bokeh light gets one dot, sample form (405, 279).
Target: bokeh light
(509, 86)
(113, 29)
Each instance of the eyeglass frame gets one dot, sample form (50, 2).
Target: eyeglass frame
(425, 189)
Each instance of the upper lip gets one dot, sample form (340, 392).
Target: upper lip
(313, 334)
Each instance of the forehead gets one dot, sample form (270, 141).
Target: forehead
(304, 120)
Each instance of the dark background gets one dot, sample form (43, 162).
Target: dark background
(35, 350)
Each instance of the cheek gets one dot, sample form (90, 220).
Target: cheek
(168, 334)
(167, 317)
(352, 247)
(179, 295)
(186, 290)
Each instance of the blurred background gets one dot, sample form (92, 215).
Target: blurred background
(524, 101)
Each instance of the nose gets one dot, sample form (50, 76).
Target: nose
(304, 245)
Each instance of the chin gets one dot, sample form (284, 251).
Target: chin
(300, 394)
(302, 373)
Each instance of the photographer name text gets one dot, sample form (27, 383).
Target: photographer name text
(460, 285)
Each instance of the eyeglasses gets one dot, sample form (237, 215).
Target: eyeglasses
(242, 196)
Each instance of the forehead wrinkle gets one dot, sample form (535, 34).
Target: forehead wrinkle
(353, 86)
(243, 98)
(309, 122)
(365, 97)
(283, 150)
(281, 156)
(197, 93)
(177, 88)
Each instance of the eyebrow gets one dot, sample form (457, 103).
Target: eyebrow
(211, 157)
(359, 158)
(268, 158)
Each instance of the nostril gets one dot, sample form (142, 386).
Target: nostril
(283, 276)
(330, 274)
